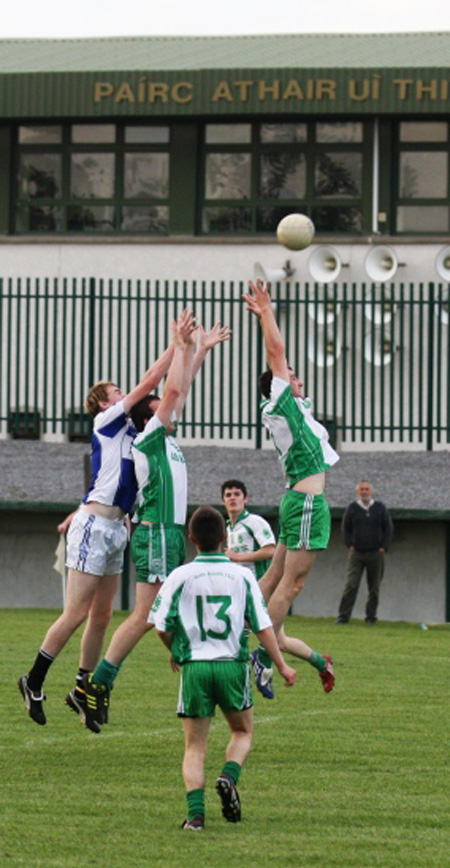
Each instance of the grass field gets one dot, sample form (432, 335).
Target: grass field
(357, 778)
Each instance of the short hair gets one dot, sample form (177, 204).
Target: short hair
(234, 483)
(207, 528)
(141, 412)
(265, 382)
(97, 393)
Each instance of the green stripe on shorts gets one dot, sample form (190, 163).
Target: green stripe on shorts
(305, 521)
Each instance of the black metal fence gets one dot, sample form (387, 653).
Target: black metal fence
(374, 359)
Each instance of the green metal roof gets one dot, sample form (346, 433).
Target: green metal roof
(164, 53)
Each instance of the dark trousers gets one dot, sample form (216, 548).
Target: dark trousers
(357, 562)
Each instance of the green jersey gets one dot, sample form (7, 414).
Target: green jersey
(249, 533)
(161, 476)
(301, 442)
(205, 605)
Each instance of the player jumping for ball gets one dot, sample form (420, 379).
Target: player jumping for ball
(305, 454)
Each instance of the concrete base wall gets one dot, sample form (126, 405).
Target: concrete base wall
(413, 589)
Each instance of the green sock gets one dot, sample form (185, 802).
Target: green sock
(233, 770)
(264, 657)
(106, 673)
(317, 661)
(196, 803)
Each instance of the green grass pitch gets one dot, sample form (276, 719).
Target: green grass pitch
(357, 778)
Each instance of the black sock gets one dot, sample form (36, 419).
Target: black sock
(38, 671)
(79, 679)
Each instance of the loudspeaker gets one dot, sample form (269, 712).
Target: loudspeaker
(324, 310)
(443, 264)
(325, 265)
(324, 352)
(381, 310)
(381, 263)
(378, 349)
(272, 275)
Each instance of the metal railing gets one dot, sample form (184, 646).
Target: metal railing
(374, 359)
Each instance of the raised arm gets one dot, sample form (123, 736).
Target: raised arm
(258, 302)
(150, 379)
(175, 383)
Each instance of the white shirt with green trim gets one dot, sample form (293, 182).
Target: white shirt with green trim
(161, 475)
(300, 440)
(205, 604)
(249, 533)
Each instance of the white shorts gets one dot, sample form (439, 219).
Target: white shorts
(96, 545)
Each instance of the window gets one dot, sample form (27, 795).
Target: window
(96, 178)
(255, 174)
(422, 192)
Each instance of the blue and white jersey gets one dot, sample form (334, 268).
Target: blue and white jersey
(113, 478)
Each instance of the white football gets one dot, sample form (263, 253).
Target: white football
(295, 231)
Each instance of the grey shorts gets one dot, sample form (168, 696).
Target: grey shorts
(95, 545)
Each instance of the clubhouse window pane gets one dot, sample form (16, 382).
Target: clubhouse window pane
(38, 218)
(227, 176)
(35, 135)
(101, 134)
(151, 220)
(283, 132)
(423, 218)
(228, 134)
(92, 176)
(84, 218)
(423, 175)
(226, 220)
(423, 131)
(339, 219)
(336, 131)
(146, 135)
(267, 219)
(338, 174)
(283, 175)
(40, 176)
(146, 176)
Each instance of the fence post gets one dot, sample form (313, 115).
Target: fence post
(91, 334)
(430, 372)
(259, 368)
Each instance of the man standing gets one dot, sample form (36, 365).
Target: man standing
(367, 529)
(250, 539)
(305, 454)
(199, 615)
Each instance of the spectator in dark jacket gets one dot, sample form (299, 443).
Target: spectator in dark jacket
(367, 530)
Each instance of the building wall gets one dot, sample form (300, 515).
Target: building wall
(413, 589)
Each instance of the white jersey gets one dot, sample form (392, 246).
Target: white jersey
(300, 440)
(205, 604)
(161, 475)
(113, 480)
(249, 533)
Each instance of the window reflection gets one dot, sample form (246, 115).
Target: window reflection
(338, 174)
(146, 176)
(152, 219)
(92, 176)
(90, 217)
(227, 220)
(283, 175)
(283, 133)
(423, 174)
(227, 176)
(40, 176)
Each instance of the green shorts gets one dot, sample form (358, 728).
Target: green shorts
(305, 521)
(156, 550)
(207, 683)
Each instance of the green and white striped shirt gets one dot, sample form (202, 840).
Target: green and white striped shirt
(301, 442)
(161, 476)
(249, 533)
(204, 604)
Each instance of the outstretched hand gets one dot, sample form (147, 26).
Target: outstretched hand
(218, 334)
(258, 299)
(185, 327)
